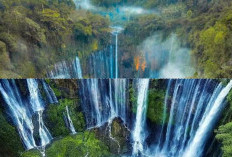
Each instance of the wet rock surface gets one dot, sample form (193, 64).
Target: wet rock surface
(115, 135)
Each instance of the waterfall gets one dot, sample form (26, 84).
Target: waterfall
(69, 121)
(140, 122)
(191, 108)
(104, 63)
(116, 55)
(66, 69)
(36, 103)
(99, 64)
(77, 68)
(192, 111)
(44, 134)
(49, 92)
(103, 100)
(206, 124)
(38, 107)
(60, 70)
(116, 30)
(19, 112)
(111, 62)
(119, 99)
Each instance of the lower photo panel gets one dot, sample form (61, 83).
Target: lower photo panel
(115, 117)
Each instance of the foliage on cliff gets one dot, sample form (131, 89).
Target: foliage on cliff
(55, 117)
(78, 145)
(35, 34)
(224, 134)
(224, 131)
(66, 92)
(203, 26)
(156, 102)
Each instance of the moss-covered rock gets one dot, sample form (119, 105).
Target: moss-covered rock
(78, 145)
(115, 136)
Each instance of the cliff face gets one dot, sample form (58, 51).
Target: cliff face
(115, 135)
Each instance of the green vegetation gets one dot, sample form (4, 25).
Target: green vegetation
(10, 142)
(224, 131)
(66, 92)
(156, 105)
(142, 27)
(156, 98)
(78, 145)
(205, 27)
(133, 98)
(213, 46)
(32, 153)
(55, 117)
(224, 134)
(35, 34)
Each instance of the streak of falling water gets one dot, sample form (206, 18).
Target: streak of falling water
(138, 134)
(70, 123)
(38, 108)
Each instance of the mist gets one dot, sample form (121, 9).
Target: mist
(167, 58)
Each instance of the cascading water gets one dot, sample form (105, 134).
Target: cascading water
(77, 68)
(104, 63)
(67, 69)
(69, 121)
(38, 107)
(19, 112)
(190, 110)
(49, 92)
(103, 100)
(138, 134)
(22, 110)
(99, 64)
(60, 70)
(206, 124)
(193, 109)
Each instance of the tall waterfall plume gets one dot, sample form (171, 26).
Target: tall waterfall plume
(138, 133)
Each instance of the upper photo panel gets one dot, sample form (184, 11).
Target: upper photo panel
(115, 39)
